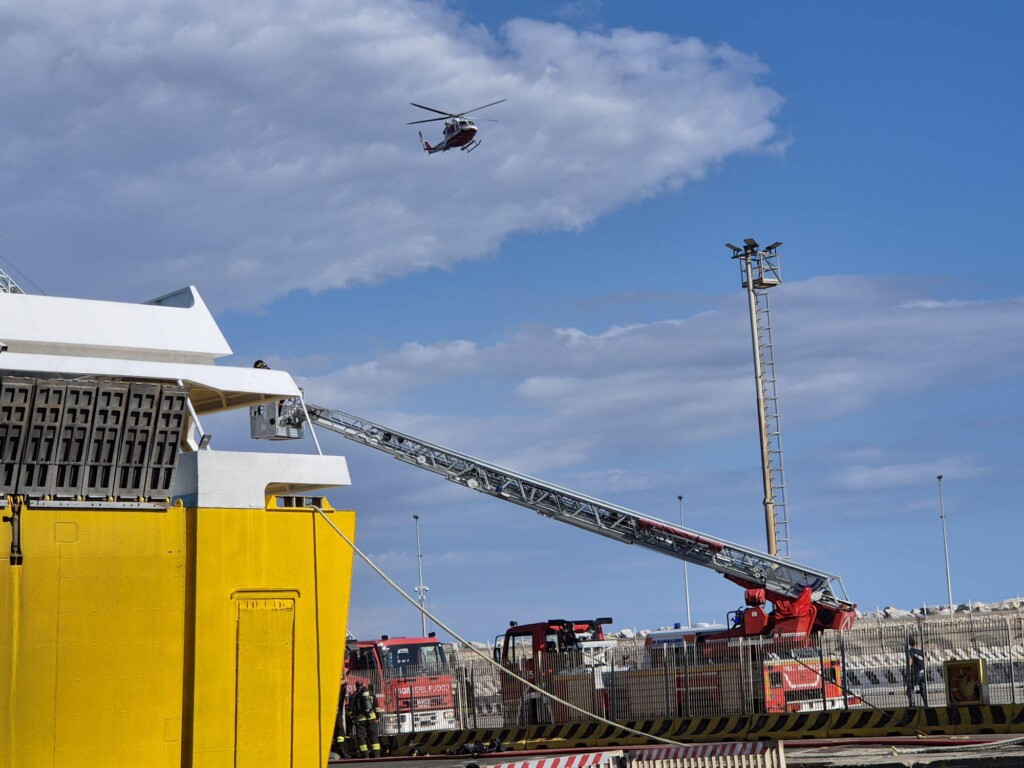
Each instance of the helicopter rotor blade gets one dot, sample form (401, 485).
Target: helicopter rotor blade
(485, 106)
(428, 120)
(431, 109)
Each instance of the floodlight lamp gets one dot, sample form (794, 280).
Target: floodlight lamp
(773, 246)
(751, 242)
(730, 245)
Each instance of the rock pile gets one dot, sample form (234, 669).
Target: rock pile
(892, 612)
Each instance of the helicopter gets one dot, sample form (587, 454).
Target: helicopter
(459, 131)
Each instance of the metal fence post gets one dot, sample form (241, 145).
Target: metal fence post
(744, 666)
(612, 704)
(668, 711)
(458, 696)
(1009, 648)
(472, 686)
(842, 669)
(821, 668)
(411, 706)
(1018, 638)
(686, 677)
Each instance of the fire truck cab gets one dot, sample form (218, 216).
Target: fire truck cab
(522, 642)
(411, 678)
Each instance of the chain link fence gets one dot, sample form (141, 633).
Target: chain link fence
(636, 679)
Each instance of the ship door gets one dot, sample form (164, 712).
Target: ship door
(264, 698)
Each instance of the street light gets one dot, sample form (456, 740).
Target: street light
(945, 546)
(686, 576)
(421, 590)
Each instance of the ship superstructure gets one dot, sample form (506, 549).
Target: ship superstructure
(164, 603)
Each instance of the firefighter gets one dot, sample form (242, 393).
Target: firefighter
(366, 714)
(341, 725)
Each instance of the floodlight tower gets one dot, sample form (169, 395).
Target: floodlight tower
(759, 271)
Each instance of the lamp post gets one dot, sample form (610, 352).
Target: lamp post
(420, 589)
(945, 546)
(686, 576)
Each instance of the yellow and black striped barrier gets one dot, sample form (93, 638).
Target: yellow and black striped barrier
(813, 725)
(789, 726)
(868, 723)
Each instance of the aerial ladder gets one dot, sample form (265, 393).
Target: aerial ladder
(805, 600)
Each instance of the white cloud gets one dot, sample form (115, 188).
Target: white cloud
(903, 475)
(849, 339)
(555, 397)
(263, 147)
(411, 366)
(478, 560)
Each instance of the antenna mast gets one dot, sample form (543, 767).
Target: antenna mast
(759, 271)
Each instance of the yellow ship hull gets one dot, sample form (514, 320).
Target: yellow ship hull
(174, 637)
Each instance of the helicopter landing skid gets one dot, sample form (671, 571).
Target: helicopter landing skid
(471, 146)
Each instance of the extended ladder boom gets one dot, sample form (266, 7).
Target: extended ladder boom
(747, 567)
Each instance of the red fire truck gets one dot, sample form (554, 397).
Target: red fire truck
(411, 678)
(714, 672)
(564, 657)
(683, 672)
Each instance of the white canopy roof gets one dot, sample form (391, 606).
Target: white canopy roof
(171, 338)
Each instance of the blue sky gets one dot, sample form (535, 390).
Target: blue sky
(560, 300)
